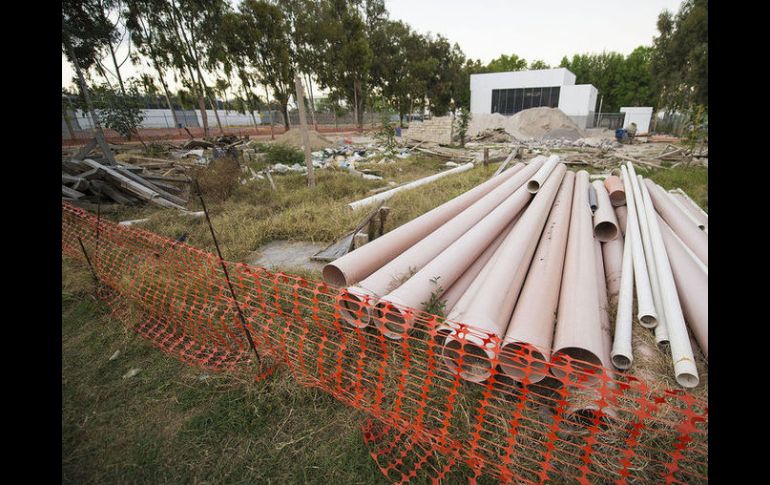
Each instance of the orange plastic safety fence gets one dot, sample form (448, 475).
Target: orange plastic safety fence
(589, 425)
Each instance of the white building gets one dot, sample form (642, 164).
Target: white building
(639, 115)
(510, 92)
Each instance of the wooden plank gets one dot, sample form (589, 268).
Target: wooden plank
(152, 186)
(85, 150)
(140, 190)
(105, 189)
(166, 178)
(505, 163)
(71, 193)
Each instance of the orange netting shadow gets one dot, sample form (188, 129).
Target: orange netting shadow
(579, 424)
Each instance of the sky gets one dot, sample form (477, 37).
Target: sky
(542, 29)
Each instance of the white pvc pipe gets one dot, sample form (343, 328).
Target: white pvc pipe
(537, 180)
(622, 352)
(681, 351)
(390, 193)
(693, 204)
(661, 335)
(686, 211)
(646, 313)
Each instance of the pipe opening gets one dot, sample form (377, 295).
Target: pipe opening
(520, 359)
(334, 276)
(533, 186)
(617, 198)
(351, 306)
(686, 379)
(391, 322)
(585, 365)
(648, 321)
(475, 365)
(606, 231)
(621, 362)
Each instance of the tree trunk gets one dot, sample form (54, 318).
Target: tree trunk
(270, 111)
(312, 102)
(359, 104)
(167, 95)
(117, 69)
(204, 115)
(285, 109)
(205, 90)
(300, 97)
(98, 133)
(68, 122)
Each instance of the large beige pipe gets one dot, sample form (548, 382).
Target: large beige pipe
(528, 339)
(604, 316)
(537, 180)
(578, 322)
(678, 201)
(605, 222)
(661, 333)
(622, 352)
(496, 296)
(691, 203)
(370, 289)
(411, 185)
(445, 268)
(612, 256)
(646, 309)
(681, 351)
(692, 285)
(458, 288)
(616, 190)
(693, 237)
(357, 265)
(621, 213)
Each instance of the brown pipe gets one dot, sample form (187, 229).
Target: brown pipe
(353, 300)
(616, 190)
(496, 296)
(604, 315)
(357, 265)
(605, 222)
(445, 268)
(529, 336)
(621, 212)
(688, 232)
(691, 284)
(579, 332)
(612, 256)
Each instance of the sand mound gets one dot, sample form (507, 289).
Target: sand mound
(294, 137)
(528, 124)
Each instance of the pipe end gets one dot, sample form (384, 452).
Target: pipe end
(470, 359)
(606, 231)
(520, 360)
(355, 308)
(533, 186)
(334, 276)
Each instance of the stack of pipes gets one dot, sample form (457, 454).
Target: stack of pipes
(533, 261)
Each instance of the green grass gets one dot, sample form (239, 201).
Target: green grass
(173, 423)
(693, 180)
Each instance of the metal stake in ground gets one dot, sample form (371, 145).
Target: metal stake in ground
(227, 275)
(303, 128)
(88, 260)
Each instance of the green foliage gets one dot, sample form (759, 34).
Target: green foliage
(680, 62)
(538, 64)
(219, 179)
(86, 29)
(280, 153)
(116, 111)
(386, 132)
(435, 304)
(463, 120)
(506, 63)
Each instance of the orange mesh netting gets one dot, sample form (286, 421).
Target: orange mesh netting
(426, 422)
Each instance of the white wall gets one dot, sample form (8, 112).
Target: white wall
(483, 84)
(639, 115)
(579, 103)
(162, 118)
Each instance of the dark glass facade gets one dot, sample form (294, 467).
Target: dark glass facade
(511, 101)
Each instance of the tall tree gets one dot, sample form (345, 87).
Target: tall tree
(538, 64)
(506, 63)
(680, 62)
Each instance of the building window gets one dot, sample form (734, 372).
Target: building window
(511, 101)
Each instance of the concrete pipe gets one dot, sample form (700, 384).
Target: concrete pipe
(578, 323)
(604, 315)
(411, 185)
(605, 222)
(527, 343)
(395, 310)
(621, 212)
(622, 352)
(496, 296)
(357, 265)
(616, 191)
(403, 266)
(692, 285)
(685, 371)
(693, 237)
(646, 309)
(677, 200)
(537, 180)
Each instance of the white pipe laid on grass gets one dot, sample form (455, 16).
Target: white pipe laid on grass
(537, 180)
(661, 335)
(411, 185)
(687, 212)
(622, 352)
(681, 350)
(646, 313)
